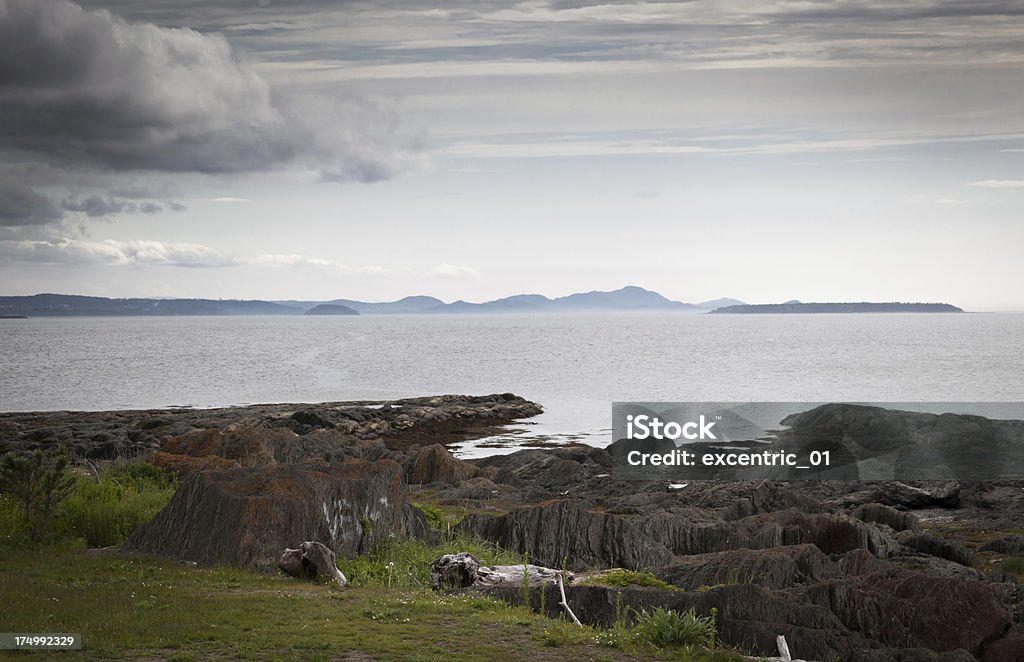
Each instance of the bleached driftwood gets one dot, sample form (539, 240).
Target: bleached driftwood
(463, 569)
(784, 655)
(311, 560)
(564, 604)
(780, 643)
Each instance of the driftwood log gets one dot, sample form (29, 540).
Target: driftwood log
(311, 560)
(463, 570)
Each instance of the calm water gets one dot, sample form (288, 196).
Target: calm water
(575, 365)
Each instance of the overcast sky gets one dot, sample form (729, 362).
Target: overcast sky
(766, 151)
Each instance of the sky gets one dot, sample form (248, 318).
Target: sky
(824, 150)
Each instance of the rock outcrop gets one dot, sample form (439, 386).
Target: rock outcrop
(245, 516)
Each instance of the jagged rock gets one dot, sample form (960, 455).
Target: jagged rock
(1013, 545)
(566, 530)
(434, 464)
(186, 465)
(906, 608)
(778, 568)
(249, 446)
(769, 497)
(556, 469)
(831, 533)
(1008, 649)
(245, 516)
(895, 493)
(926, 543)
(311, 560)
(897, 520)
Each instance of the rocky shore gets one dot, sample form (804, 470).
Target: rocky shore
(846, 570)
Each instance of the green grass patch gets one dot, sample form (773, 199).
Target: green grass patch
(1014, 564)
(442, 518)
(405, 563)
(137, 607)
(100, 511)
(620, 578)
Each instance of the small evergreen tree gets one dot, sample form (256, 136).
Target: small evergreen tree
(39, 481)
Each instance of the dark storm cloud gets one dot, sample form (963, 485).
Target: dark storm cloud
(96, 207)
(20, 205)
(89, 89)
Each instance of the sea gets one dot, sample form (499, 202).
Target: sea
(575, 365)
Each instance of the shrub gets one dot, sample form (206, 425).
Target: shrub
(667, 628)
(99, 510)
(103, 510)
(38, 482)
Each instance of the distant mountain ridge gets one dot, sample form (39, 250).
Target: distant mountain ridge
(857, 307)
(630, 298)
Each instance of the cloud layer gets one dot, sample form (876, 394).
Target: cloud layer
(89, 88)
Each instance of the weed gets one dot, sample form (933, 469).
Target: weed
(668, 628)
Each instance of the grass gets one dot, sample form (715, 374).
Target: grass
(666, 628)
(101, 510)
(406, 563)
(1014, 564)
(620, 578)
(137, 607)
(132, 607)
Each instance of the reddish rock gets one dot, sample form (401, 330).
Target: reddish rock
(186, 465)
(245, 516)
(434, 464)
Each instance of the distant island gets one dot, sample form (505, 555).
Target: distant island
(797, 307)
(626, 299)
(331, 309)
(630, 299)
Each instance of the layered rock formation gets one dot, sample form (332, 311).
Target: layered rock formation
(880, 571)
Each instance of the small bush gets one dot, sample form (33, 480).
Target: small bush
(666, 628)
(103, 510)
(37, 482)
(1014, 564)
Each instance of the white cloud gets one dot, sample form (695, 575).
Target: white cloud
(453, 271)
(113, 252)
(293, 260)
(999, 183)
(229, 199)
(144, 252)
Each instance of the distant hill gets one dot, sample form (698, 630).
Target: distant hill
(413, 304)
(64, 305)
(331, 309)
(860, 307)
(626, 299)
(630, 298)
(720, 303)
